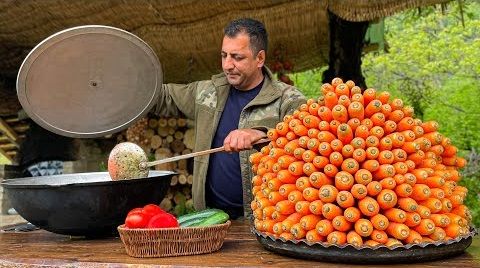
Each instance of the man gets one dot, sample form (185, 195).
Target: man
(234, 109)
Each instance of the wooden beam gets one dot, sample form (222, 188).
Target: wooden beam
(7, 146)
(5, 156)
(9, 132)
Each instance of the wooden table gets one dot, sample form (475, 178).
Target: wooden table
(239, 249)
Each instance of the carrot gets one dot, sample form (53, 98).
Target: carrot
(408, 110)
(309, 168)
(258, 223)
(255, 157)
(312, 133)
(440, 220)
(388, 183)
(372, 141)
(356, 110)
(354, 239)
(412, 219)
(438, 234)
(297, 231)
(341, 224)
(278, 217)
(263, 203)
(287, 145)
(285, 207)
(316, 207)
(371, 243)
(358, 143)
(298, 153)
(325, 136)
(328, 193)
(374, 188)
(268, 211)
(403, 190)
(344, 180)
(336, 145)
(303, 141)
(384, 171)
(354, 123)
(308, 156)
(344, 133)
(324, 227)
(405, 124)
(290, 135)
(337, 238)
(352, 214)
(373, 107)
(296, 168)
(357, 97)
(318, 179)
(425, 227)
(310, 194)
(418, 130)
(378, 119)
(344, 100)
(330, 211)
(350, 84)
(434, 204)
(285, 160)
(386, 144)
(275, 197)
(396, 116)
(295, 196)
(413, 238)
(359, 155)
(302, 207)
(363, 176)
(462, 211)
(313, 237)
(364, 227)
(385, 157)
(378, 132)
(325, 149)
(286, 236)
(398, 230)
(326, 87)
(362, 131)
(342, 89)
(345, 199)
(395, 215)
(286, 177)
(300, 130)
(319, 161)
(368, 206)
(437, 193)
(453, 230)
(277, 228)
(420, 192)
(331, 99)
(359, 191)
(330, 170)
(369, 95)
(380, 222)
(372, 153)
(336, 159)
(379, 236)
(347, 150)
(410, 179)
(285, 189)
(301, 183)
(355, 90)
(446, 205)
(423, 211)
(397, 104)
(387, 199)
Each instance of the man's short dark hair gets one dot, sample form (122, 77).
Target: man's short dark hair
(253, 28)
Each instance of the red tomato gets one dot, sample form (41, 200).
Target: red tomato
(136, 220)
(163, 220)
(152, 210)
(135, 210)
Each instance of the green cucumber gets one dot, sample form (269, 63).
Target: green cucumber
(217, 218)
(199, 214)
(191, 222)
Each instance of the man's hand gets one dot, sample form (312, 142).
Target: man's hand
(242, 139)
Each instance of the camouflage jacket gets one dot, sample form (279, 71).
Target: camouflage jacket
(204, 101)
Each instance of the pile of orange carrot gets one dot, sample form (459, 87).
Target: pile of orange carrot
(356, 167)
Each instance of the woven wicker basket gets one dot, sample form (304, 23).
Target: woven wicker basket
(167, 242)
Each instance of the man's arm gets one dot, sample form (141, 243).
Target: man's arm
(176, 99)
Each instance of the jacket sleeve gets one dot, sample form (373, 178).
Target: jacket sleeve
(177, 99)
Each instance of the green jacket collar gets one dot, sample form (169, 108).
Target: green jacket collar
(267, 94)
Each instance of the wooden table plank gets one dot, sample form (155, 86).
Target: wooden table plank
(240, 249)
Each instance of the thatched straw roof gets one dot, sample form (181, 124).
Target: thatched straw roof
(186, 34)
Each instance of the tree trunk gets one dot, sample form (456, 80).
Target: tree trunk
(346, 43)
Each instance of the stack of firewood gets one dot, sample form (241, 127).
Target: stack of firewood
(162, 138)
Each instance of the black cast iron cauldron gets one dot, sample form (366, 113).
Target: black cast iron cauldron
(83, 204)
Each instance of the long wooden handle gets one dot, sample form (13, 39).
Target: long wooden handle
(186, 156)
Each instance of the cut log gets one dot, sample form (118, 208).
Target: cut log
(149, 133)
(155, 142)
(172, 122)
(153, 123)
(182, 164)
(190, 179)
(181, 122)
(174, 180)
(189, 138)
(182, 179)
(178, 135)
(162, 122)
(169, 139)
(162, 131)
(166, 204)
(177, 146)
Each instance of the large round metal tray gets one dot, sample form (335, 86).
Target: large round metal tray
(89, 81)
(366, 255)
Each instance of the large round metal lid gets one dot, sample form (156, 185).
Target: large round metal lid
(89, 81)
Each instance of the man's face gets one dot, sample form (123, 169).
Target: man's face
(241, 67)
